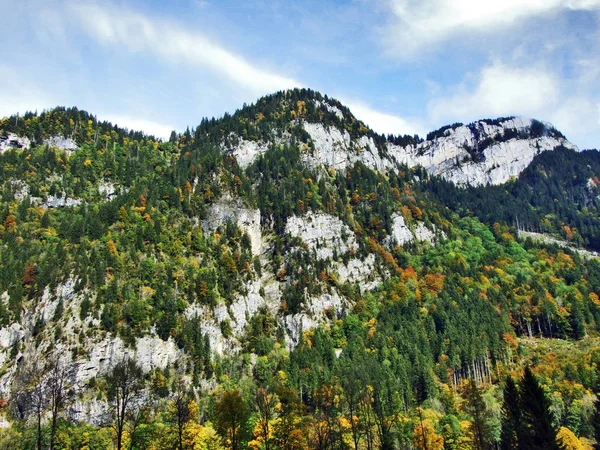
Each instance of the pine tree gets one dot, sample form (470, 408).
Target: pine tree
(511, 416)
(536, 431)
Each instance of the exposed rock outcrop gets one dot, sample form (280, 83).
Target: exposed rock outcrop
(62, 143)
(337, 150)
(11, 140)
(324, 234)
(359, 271)
(228, 209)
(401, 234)
(316, 311)
(57, 202)
(246, 152)
(482, 153)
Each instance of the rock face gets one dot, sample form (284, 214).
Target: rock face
(482, 153)
(101, 352)
(361, 271)
(238, 313)
(401, 234)
(328, 238)
(247, 151)
(150, 352)
(107, 189)
(9, 336)
(12, 140)
(550, 240)
(316, 309)
(337, 150)
(324, 234)
(56, 202)
(331, 108)
(20, 189)
(228, 209)
(62, 143)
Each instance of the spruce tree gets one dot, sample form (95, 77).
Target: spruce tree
(511, 416)
(475, 406)
(536, 431)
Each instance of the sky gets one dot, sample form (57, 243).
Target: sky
(401, 66)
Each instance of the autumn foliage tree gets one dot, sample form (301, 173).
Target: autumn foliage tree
(231, 414)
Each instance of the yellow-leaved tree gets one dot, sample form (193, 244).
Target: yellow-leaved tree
(197, 436)
(568, 441)
(425, 436)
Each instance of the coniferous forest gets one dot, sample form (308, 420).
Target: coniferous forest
(480, 336)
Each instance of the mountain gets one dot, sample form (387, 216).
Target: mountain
(480, 153)
(288, 249)
(484, 152)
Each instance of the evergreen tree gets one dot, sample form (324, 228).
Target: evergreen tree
(479, 428)
(536, 431)
(511, 416)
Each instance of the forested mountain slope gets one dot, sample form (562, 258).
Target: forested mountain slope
(340, 288)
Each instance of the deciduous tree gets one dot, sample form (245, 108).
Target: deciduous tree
(232, 414)
(125, 384)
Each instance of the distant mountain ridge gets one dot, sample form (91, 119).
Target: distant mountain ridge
(490, 151)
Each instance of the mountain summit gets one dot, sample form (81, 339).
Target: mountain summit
(480, 153)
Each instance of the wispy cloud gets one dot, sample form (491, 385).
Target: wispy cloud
(417, 24)
(170, 43)
(551, 77)
(22, 93)
(173, 44)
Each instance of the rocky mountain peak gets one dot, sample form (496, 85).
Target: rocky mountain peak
(483, 152)
(489, 151)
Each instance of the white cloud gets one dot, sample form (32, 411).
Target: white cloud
(578, 116)
(500, 91)
(172, 44)
(138, 124)
(420, 23)
(383, 122)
